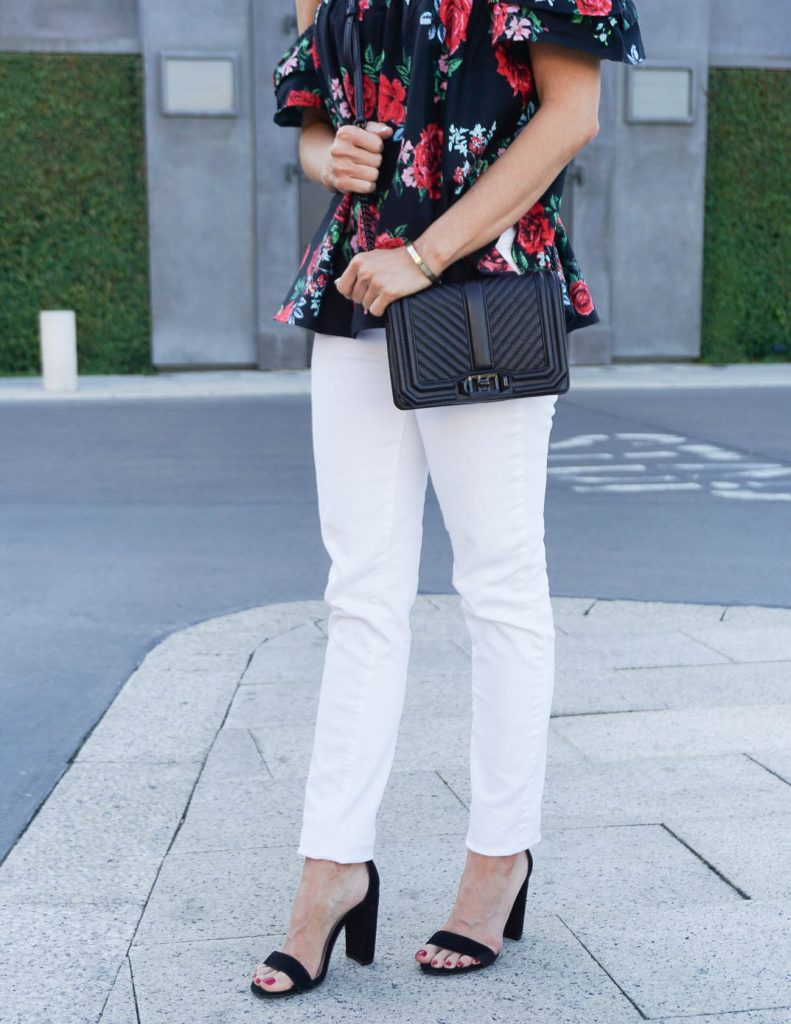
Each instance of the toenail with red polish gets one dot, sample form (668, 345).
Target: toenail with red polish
(434, 962)
(269, 981)
(422, 952)
(448, 963)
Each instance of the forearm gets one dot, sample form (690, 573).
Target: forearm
(315, 139)
(506, 189)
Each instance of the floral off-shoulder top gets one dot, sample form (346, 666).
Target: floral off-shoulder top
(453, 78)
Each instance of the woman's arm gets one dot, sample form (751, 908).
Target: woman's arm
(344, 161)
(568, 83)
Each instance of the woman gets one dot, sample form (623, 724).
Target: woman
(476, 108)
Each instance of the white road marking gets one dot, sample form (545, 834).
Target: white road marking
(771, 471)
(713, 451)
(655, 438)
(580, 441)
(614, 479)
(577, 455)
(649, 455)
(596, 470)
(643, 487)
(754, 495)
(570, 470)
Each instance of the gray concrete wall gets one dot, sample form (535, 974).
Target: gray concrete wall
(656, 200)
(201, 205)
(754, 34)
(586, 193)
(277, 189)
(106, 26)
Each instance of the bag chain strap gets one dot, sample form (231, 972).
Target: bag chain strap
(352, 56)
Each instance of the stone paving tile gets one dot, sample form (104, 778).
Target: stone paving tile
(161, 716)
(702, 959)
(619, 866)
(101, 834)
(777, 761)
(752, 616)
(695, 733)
(295, 701)
(62, 960)
(632, 650)
(780, 1015)
(752, 851)
(560, 750)
(522, 985)
(294, 656)
(250, 814)
(234, 755)
(699, 731)
(200, 895)
(582, 691)
(571, 607)
(628, 792)
(764, 643)
(120, 1007)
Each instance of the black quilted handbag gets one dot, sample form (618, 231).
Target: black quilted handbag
(490, 337)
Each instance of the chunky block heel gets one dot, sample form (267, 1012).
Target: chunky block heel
(360, 924)
(515, 924)
(466, 946)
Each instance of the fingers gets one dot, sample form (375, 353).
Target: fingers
(356, 155)
(350, 137)
(380, 128)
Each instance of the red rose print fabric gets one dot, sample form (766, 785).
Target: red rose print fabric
(454, 80)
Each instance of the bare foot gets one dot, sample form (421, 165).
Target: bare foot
(487, 891)
(326, 891)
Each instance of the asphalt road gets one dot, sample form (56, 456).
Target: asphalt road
(121, 521)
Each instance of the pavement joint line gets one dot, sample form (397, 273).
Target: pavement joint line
(260, 752)
(602, 968)
(439, 774)
(744, 895)
(138, 1017)
(720, 1013)
(187, 804)
(771, 771)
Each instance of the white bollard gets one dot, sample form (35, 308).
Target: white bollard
(58, 336)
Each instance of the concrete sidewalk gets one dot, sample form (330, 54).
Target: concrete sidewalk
(217, 383)
(162, 867)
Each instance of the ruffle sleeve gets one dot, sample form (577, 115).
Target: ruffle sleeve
(607, 28)
(296, 80)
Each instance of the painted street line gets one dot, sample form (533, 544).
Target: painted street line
(600, 461)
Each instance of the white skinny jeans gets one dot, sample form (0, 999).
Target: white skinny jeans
(488, 465)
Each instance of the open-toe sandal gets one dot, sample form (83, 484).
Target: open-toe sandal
(360, 925)
(465, 946)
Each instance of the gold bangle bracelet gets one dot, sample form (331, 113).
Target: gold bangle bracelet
(421, 263)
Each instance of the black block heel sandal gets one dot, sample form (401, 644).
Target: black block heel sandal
(360, 925)
(466, 946)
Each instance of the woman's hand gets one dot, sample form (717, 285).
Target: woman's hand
(355, 157)
(378, 276)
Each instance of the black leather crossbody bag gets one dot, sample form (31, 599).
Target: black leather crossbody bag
(495, 336)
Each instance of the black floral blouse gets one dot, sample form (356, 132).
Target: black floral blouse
(453, 78)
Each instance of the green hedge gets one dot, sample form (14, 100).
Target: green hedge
(73, 229)
(747, 251)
